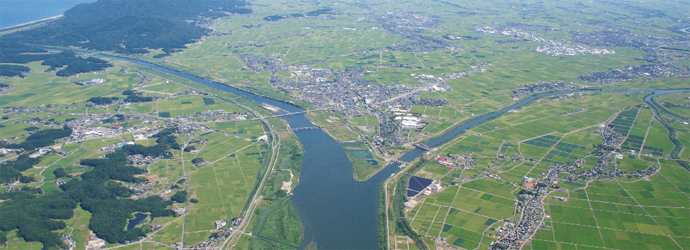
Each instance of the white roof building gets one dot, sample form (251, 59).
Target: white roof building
(410, 122)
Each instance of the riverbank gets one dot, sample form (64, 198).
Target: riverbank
(336, 210)
(533, 100)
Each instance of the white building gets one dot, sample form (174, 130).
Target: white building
(220, 224)
(410, 122)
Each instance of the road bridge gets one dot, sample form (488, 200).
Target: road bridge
(305, 128)
(402, 163)
(288, 114)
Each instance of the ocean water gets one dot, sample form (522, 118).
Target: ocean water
(14, 12)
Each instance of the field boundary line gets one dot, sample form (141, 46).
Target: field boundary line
(650, 216)
(601, 237)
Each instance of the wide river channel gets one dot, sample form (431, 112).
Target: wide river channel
(336, 211)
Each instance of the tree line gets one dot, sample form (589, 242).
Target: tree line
(14, 52)
(102, 100)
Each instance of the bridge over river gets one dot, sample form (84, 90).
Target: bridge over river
(336, 210)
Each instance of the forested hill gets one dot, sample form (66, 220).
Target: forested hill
(130, 26)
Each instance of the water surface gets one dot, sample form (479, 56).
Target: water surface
(336, 211)
(138, 218)
(15, 12)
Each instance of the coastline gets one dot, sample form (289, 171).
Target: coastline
(31, 23)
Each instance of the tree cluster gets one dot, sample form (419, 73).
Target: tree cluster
(14, 52)
(102, 100)
(59, 172)
(115, 118)
(42, 138)
(75, 65)
(135, 97)
(12, 170)
(197, 160)
(165, 141)
(165, 133)
(13, 70)
(35, 215)
(179, 197)
(297, 15)
(8, 48)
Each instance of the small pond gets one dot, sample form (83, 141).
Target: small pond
(138, 218)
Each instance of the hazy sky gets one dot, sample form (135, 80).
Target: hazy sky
(13, 12)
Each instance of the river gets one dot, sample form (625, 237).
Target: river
(335, 210)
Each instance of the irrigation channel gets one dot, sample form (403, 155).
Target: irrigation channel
(336, 211)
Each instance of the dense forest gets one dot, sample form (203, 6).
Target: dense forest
(35, 214)
(130, 26)
(59, 172)
(42, 138)
(12, 170)
(13, 70)
(12, 52)
(75, 65)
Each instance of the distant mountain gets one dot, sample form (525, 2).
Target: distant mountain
(130, 26)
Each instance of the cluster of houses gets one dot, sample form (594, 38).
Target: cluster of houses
(87, 133)
(475, 69)
(95, 243)
(560, 49)
(222, 232)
